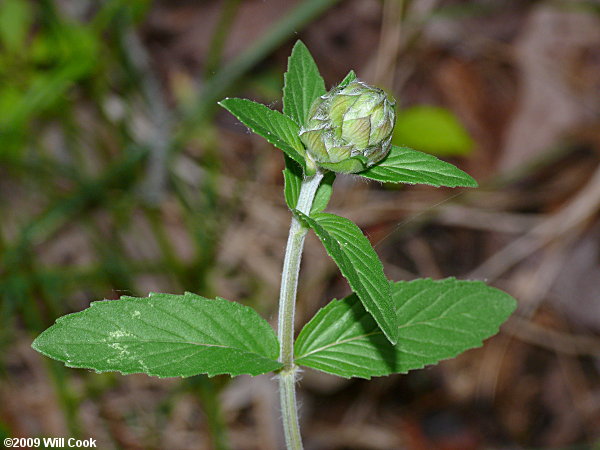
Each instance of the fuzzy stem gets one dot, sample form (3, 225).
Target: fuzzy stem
(289, 409)
(287, 307)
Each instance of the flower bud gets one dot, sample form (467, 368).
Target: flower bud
(349, 129)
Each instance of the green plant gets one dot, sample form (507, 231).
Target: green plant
(383, 328)
(433, 130)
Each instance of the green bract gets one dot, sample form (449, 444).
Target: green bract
(349, 129)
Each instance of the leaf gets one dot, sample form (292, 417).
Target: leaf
(164, 335)
(276, 128)
(292, 178)
(302, 84)
(437, 320)
(292, 181)
(347, 79)
(404, 165)
(358, 262)
(323, 193)
(433, 130)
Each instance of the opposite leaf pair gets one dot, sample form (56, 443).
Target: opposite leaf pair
(169, 335)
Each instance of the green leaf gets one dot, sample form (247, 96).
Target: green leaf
(278, 129)
(323, 193)
(303, 84)
(292, 181)
(347, 79)
(437, 320)
(292, 178)
(433, 130)
(164, 335)
(404, 165)
(358, 262)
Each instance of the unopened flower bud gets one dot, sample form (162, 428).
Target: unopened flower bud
(349, 129)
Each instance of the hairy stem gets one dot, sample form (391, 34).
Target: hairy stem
(287, 308)
(289, 409)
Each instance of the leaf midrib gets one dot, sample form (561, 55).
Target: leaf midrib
(374, 333)
(333, 344)
(145, 341)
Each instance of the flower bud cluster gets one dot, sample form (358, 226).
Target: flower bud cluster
(349, 129)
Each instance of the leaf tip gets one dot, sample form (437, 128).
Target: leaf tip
(36, 344)
(393, 341)
(299, 44)
(223, 103)
(469, 181)
(39, 344)
(392, 331)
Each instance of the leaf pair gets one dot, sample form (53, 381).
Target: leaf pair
(170, 335)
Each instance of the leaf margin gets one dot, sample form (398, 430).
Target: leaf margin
(393, 163)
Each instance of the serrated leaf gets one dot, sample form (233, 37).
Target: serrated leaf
(323, 193)
(404, 165)
(164, 335)
(292, 182)
(358, 262)
(302, 84)
(276, 128)
(437, 320)
(347, 79)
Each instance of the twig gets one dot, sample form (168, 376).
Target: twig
(575, 213)
(560, 342)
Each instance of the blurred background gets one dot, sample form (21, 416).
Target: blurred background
(119, 175)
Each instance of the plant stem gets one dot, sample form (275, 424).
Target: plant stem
(289, 409)
(287, 308)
